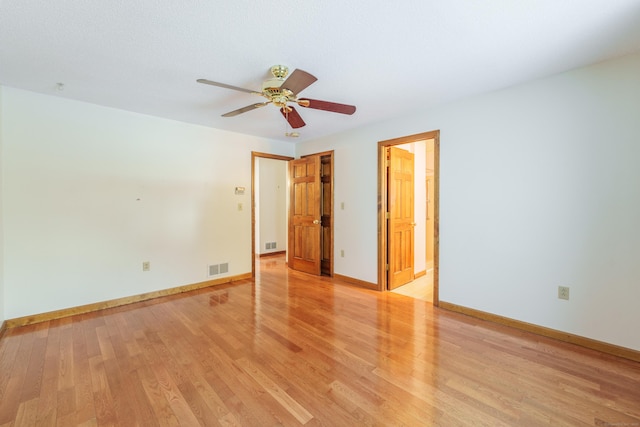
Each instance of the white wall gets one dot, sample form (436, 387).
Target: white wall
(549, 169)
(2, 298)
(91, 192)
(272, 216)
(355, 186)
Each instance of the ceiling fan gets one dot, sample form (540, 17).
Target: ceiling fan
(281, 91)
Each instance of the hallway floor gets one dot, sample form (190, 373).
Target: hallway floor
(421, 288)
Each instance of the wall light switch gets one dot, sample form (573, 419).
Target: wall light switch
(563, 292)
(239, 206)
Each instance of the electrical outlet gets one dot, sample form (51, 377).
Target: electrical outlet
(563, 292)
(342, 253)
(146, 266)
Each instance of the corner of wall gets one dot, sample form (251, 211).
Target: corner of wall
(2, 298)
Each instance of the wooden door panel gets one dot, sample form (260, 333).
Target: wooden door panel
(305, 239)
(305, 215)
(326, 164)
(401, 217)
(430, 224)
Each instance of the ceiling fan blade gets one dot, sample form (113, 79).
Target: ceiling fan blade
(226, 86)
(245, 109)
(294, 119)
(298, 81)
(327, 106)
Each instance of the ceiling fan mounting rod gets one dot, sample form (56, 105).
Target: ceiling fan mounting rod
(280, 71)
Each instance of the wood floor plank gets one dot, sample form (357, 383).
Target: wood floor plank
(246, 396)
(294, 349)
(102, 398)
(104, 341)
(90, 325)
(198, 389)
(66, 403)
(47, 412)
(85, 409)
(174, 397)
(9, 345)
(35, 370)
(27, 413)
(12, 392)
(365, 407)
(299, 412)
(164, 415)
(198, 405)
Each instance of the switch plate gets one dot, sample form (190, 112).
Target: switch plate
(146, 266)
(563, 292)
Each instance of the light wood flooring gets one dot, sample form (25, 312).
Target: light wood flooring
(292, 349)
(420, 288)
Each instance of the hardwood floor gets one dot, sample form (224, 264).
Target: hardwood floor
(292, 349)
(420, 288)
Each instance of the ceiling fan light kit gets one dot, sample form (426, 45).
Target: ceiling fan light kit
(280, 91)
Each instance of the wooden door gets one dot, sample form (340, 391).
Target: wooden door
(326, 171)
(401, 217)
(429, 224)
(305, 215)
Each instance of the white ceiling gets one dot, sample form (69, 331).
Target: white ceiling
(387, 58)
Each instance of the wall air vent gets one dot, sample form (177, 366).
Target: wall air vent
(213, 270)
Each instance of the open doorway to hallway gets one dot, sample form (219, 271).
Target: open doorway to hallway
(292, 210)
(408, 194)
(269, 205)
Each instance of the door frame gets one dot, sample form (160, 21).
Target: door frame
(254, 156)
(383, 207)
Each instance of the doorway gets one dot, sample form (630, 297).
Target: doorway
(259, 229)
(408, 237)
(311, 214)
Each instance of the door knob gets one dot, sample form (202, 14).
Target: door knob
(316, 221)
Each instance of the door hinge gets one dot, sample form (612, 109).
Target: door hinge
(386, 215)
(387, 267)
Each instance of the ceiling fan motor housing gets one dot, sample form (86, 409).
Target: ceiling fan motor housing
(271, 88)
(272, 85)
